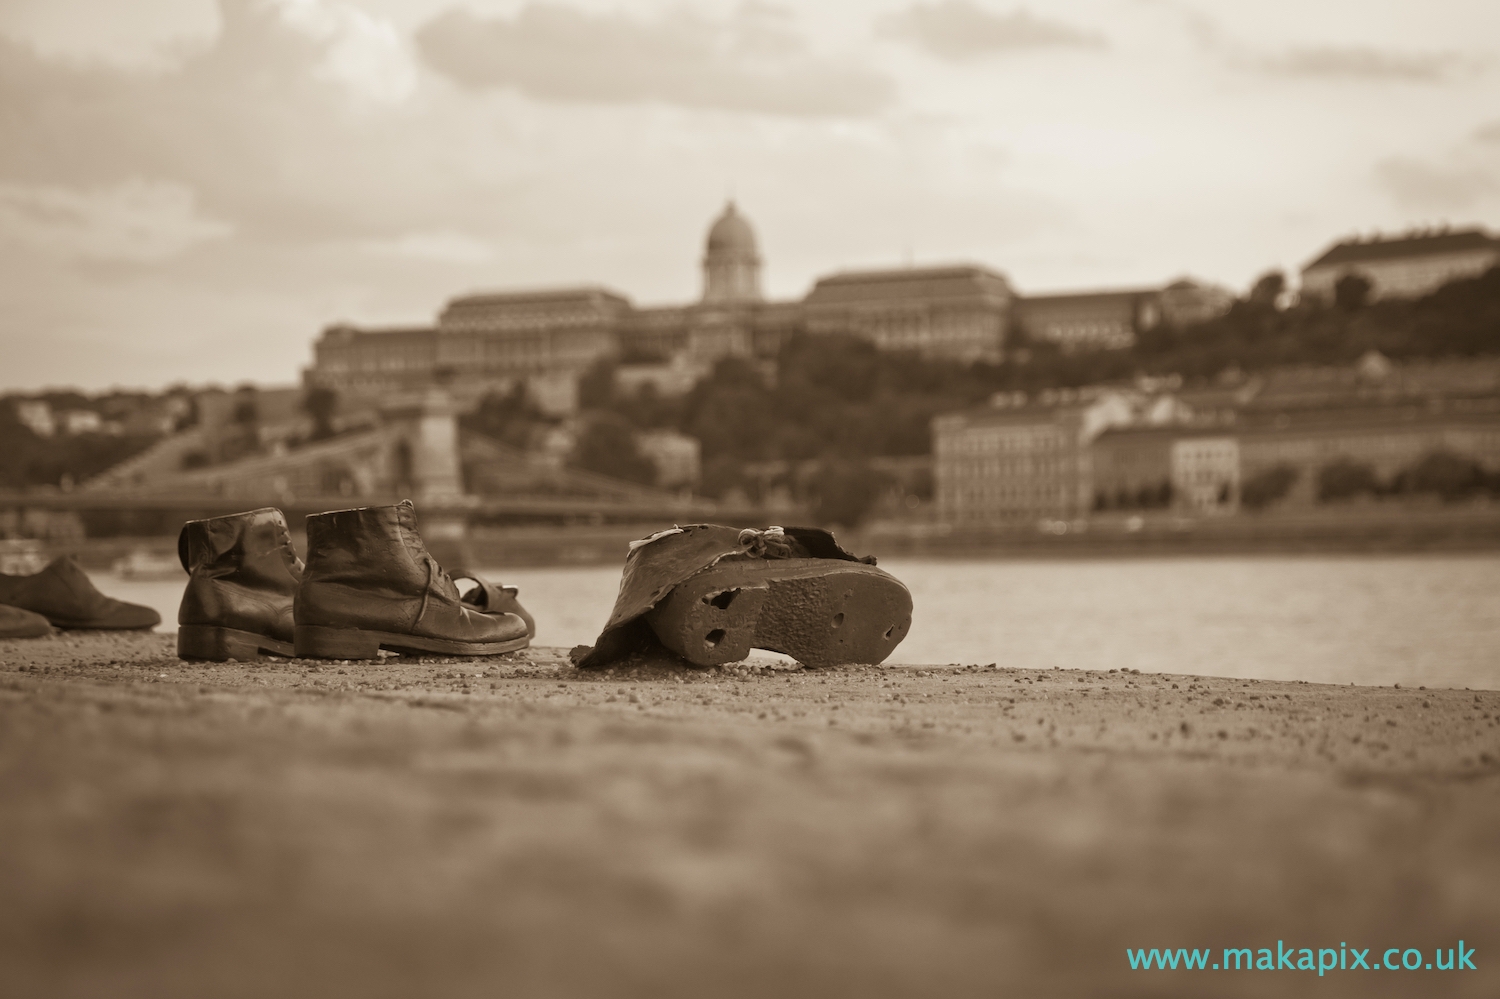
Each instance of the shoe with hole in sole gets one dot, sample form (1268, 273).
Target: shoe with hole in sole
(819, 612)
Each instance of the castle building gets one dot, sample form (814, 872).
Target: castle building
(545, 339)
(960, 313)
(1112, 320)
(1403, 266)
(731, 262)
(1096, 320)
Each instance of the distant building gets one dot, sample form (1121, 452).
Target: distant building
(544, 340)
(1191, 466)
(677, 457)
(1200, 451)
(1206, 474)
(480, 343)
(79, 421)
(1007, 465)
(960, 313)
(1388, 438)
(1093, 320)
(1185, 302)
(36, 414)
(731, 261)
(1132, 467)
(1404, 266)
(1371, 380)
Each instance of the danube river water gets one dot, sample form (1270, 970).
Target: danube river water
(1414, 620)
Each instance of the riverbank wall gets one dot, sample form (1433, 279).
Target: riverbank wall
(1354, 530)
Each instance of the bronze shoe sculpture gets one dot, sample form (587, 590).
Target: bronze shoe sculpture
(63, 594)
(242, 576)
(370, 583)
(494, 599)
(711, 594)
(18, 623)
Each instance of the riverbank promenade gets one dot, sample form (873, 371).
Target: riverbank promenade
(510, 826)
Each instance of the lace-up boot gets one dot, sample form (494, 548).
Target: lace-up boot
(370, 583)
(242, 575)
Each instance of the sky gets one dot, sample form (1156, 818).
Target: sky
(190, 190)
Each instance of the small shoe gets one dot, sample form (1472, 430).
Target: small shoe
(64, 595)
(18, 623)
(371, 584)
(242, 576)
(711, 594)
(494, 599)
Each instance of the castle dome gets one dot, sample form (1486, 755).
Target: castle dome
(731, 233)
(731, 265)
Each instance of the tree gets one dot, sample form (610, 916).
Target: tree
(1448, 475)
(321, 404)
(596, 386)
(1266, 291)
(843, 492)
(506, 416)
(1343, 479)
(246, 410)
(607, 446)
(1267, 487)
(1352, 292)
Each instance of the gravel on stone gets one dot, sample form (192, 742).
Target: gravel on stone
(511, 825)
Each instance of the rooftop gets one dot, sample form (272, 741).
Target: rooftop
(479, 307)
(910, 282)
(1413, 244)
(1102, 295)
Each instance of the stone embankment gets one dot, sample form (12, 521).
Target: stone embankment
(511, 826)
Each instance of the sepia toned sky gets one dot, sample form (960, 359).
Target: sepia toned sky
(191, 189)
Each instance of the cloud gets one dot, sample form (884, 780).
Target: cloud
(557, 53)
(362, 52)
(136, 221)
(142, 36)
(261, 126)
(1419, 185)
(958, 30)
(441, 245)
(1323, 61)
(1364, 63)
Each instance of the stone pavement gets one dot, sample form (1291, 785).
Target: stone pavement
(510, 826)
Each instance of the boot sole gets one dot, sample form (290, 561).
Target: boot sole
(317, 642)
(214, 644)
(819, 612)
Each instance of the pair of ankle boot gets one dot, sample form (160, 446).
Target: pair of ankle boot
(369, 583)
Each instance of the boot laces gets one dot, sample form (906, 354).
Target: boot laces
(770, 543)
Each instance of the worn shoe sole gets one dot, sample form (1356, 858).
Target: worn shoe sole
(818, 611)
(317, 642)
(74, 624)
(215, 644)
